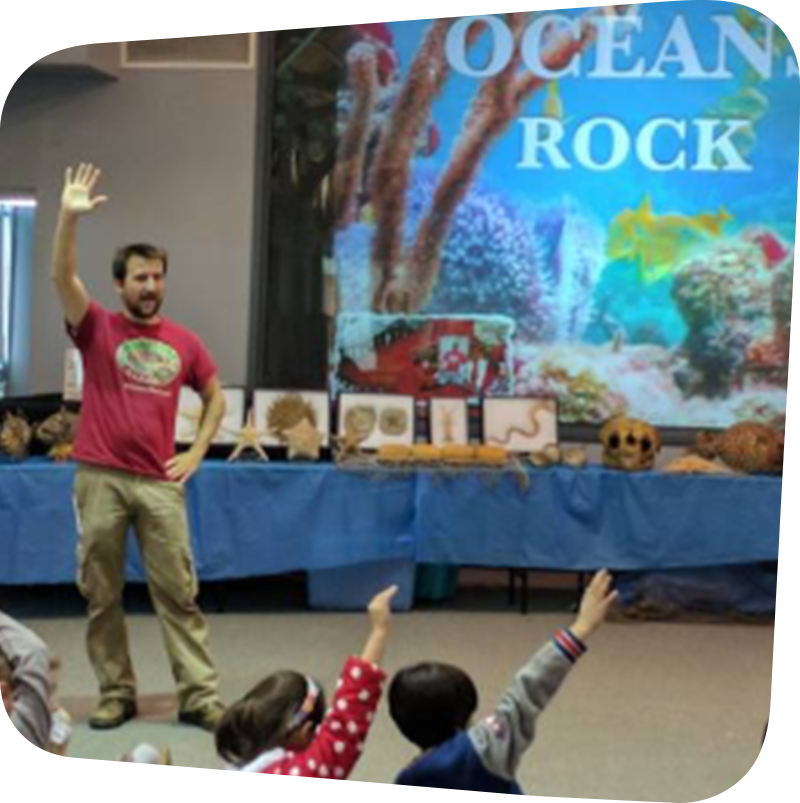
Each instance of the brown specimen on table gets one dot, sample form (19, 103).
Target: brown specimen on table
(288, 411)
(15, 436)
(58, 432)
(248, 438)
(749, 446)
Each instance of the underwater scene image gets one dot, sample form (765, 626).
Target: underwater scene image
(594, 204)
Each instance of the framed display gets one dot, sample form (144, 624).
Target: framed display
(380, 419)
(190, 411)
(520, 424)
(279, 410)
(449, 422)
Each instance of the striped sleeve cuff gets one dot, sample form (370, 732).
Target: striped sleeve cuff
(568, 644)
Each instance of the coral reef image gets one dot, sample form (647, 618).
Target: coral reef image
(472, 262)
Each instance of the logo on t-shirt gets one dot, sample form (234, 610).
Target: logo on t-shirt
(148, 362)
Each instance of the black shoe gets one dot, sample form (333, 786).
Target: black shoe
(206, 718)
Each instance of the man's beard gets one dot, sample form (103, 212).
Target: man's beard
(143, 310)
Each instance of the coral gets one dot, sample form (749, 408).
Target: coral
(581, 396)
(538, 268)
(724, 296)
(748, 446)
(757, 409)
(769, 358)
(405, 276)
(351, 158)
(15, 436)
(573, 263)
(58, 432)
(781, 293)
(629, 444)
(492, 261)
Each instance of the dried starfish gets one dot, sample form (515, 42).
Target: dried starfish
(248, 439)
(349, 444)
(303, 441)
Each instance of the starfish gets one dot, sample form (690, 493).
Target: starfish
(248, 438)
(303, 441)
(349, 444)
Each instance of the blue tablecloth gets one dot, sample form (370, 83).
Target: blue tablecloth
(253, 519)
(583, 520)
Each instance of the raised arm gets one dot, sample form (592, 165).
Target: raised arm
(76, 200)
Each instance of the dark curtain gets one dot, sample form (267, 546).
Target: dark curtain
(299, 74)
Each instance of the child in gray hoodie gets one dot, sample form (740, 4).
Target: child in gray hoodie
(25, 680)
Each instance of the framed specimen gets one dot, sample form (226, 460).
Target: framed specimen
(520, 424)
(378, 419)
(449, 422)
(279, 410)
(190, 410)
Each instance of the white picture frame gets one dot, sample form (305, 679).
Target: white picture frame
(190, 407)
(385, 406)
(520, 424)
(449, 421)
(73, 375)
(317, 399)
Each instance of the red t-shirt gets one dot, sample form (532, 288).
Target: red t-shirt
(133, 374)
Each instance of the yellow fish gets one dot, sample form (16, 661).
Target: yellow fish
(658, 243)
(553, 105)
(707, 222)
(367, 214)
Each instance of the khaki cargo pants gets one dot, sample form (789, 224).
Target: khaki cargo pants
(108, 502)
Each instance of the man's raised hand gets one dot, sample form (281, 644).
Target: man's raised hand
(76, 199)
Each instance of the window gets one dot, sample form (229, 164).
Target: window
(16, 229)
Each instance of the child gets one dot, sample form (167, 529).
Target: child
(25, 680)
(281, 728)
(61, 721)
(432, 705)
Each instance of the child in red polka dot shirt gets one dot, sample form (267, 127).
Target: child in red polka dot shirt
(281, 726)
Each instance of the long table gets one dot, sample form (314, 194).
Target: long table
(251, 519)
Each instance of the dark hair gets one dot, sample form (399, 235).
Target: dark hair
(431, 702)
(260, 721)
(119, 267)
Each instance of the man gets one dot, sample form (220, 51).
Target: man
(135, 362)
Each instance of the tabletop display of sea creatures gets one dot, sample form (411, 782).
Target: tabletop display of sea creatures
(57, 432)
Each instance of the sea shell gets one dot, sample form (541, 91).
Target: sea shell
(393, 421)
(360, 421)
(575, 457)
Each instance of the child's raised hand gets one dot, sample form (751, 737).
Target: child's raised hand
(380, 614)
(595, 605)
(380, 607)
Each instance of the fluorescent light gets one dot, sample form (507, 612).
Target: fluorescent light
(19, 203)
